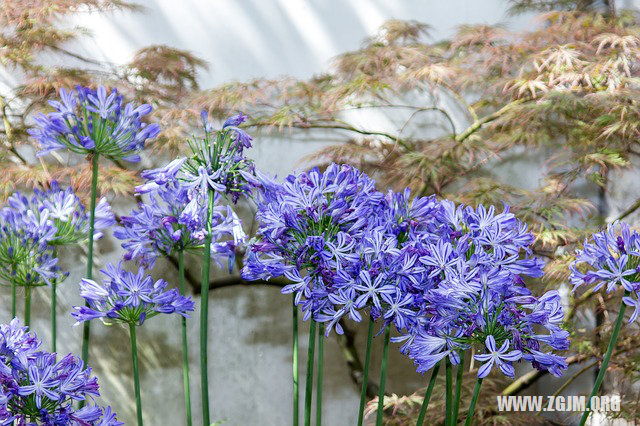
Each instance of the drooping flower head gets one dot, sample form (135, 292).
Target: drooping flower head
(309, 231)
(218, 163)
(174, 218)
(66, 212)
(89, 121)
(37, 389)
(473, 294)
(128, 297)
(610, 258)
(26, 253)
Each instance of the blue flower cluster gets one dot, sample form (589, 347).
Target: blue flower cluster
(128, 297)
(612, 258)
(26, 254)
(218, 162)
(310, 226)
(448, 277)
(36, 389)
(174, 219)
(66, 211)
(93, 121)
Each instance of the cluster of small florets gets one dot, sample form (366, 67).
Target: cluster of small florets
(128, 297)
(447, 277)
(218, 162)
(35, 388)
(310, 228)
(174, 219)
(93, 121)
(473, 293)
(611, 258)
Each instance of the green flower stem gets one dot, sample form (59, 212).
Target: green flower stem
(309, 383)
(92, 219)
(295, 359)
(456, 400)
(320, 365)
(204, 314)
(54, 319)
(383, 375)
(13, 300)
(474, 399)
(54, 316)
(448, 391)
(185, 346)
(605, 361)
(136, 376)
(27, 305)
(365, 375)
(427, 395)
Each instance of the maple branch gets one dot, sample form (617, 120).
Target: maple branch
(477, 125)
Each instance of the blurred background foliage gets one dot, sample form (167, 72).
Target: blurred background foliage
(459, 115)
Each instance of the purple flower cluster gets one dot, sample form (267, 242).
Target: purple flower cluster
(310, 227)
(218, 162)
(611, 257)
(174, 218)
(36, 389)
(66, 211)
(26, 253)
(128, 297)
(93, 121)
(472, 292)
(448, 277)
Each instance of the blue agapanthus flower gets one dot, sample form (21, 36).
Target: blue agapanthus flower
(66, 212)
(89, 121)
(472, 293)
(38, 389)
(26, 251)
(128, 297)
(174, 218)
(218, 163)
(610, 258)
(310, 231)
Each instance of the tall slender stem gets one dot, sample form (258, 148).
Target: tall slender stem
(54, 319)
(383, 375)
(27, 305)
(427, 394)
(136, 376)
(365, 375)
(13, 299)
(294, 350)
(320, 370)
(204, 314)
(456, 403)
(185, 346)
(448, 391)
(605, 361)
(54, 316)
(474, 399)
(309, 381)
(92, 219)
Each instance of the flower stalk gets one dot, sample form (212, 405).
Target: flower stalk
(309, 381)
(365, 374)
(427, 395)
(320, 371)
(456, 403)
(136, 376)
(474, 399)
(27, 305)
(448, 391)
(294, 357)
(204, 313)
(383, 375)
(86, 330)
(605, 361)
(185, 346)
